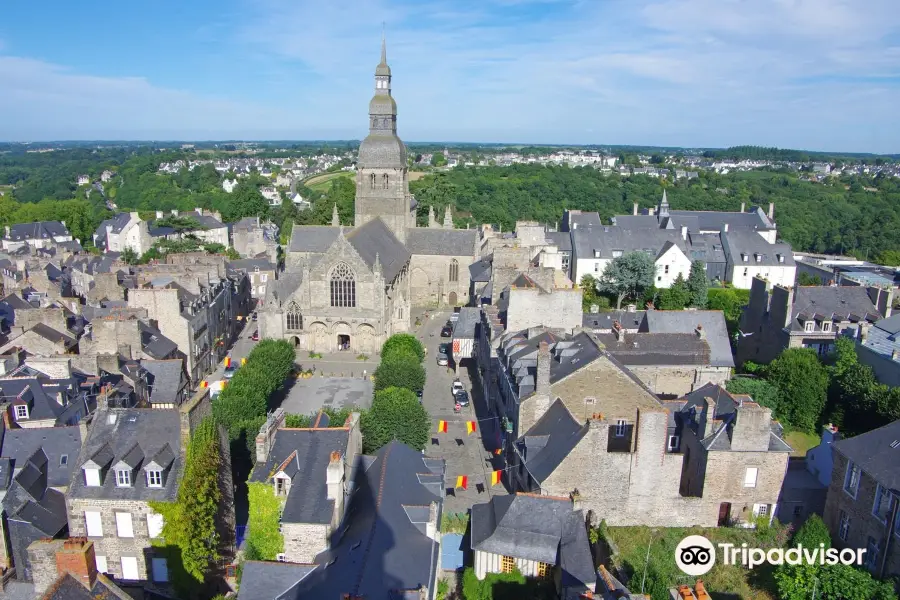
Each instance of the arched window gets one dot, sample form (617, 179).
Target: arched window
(454, 271)
(372, 179)
(384, 181)
(343, 287)
(294, 318)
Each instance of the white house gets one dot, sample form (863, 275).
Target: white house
(749, 255)
(125, 230)
(284, 179)
(271, 194)
(83, 180)
(670, 263)
(229, 184)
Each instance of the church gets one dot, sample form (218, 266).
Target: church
(350, 288)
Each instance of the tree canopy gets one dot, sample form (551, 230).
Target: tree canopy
(803, 382)
(627, 276)
(400, 343)
(396, 414)
(402, 370)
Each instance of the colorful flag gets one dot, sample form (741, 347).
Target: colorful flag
(442, 426)
(498, 451)
(204, 385)
(243, 361)
(462, 482)
(227, 361)
(470, 427)
(495, 477)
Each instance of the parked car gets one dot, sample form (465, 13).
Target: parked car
(447, 331)
(444, 348)
(456, 387)
(254, 316)
(442, 360)
(462, 398)
(229, 371)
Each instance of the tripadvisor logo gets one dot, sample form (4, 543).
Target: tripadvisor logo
(695, 555)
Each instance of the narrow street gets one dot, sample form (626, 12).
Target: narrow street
(465, 454)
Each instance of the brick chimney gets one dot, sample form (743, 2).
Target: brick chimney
(266, 434)
(752, 428)
(77, 558)
(701, 333)
(431, 528)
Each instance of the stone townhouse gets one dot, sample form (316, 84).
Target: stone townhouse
(131, 456)
(251, 237)
(40, 234)
(35, 471)
(38, 402)
(311, 471)
(388, 546)
(261, 272)
(124, 230)
(862, 508)
(778, 317)
(565, 402)
(67, 570)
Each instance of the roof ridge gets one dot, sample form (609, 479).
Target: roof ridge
(383, 476)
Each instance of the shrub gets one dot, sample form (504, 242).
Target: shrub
(264, 541)
(402, 343)
(400, 370)
(396, 414)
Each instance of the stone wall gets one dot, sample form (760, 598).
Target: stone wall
(51, 317)
(106, 287)
(163, 306)
(531, 307)
(303, 541)
(678, 380)
(430, 283)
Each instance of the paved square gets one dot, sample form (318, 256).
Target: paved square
(308, 396)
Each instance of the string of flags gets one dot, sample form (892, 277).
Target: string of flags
(471, 427)
(462, 481)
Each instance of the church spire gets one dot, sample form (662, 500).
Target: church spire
(383, 47)
(664, 205)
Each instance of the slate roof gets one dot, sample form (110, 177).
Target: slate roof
(550, 440)
(283, 287)
(251, 264)
(697, 220)
(657, 348)
(539, 528)
(686, 321)
(206, 221)
(738, 244)
(164, 379)
(444, 242)
(480, 270)
(30, 499)
(605, 320)
(267, 580)
(883, 338)
(36, 231)
(314, 238)
(609, 239)
(151, 430)
(58, 443)
(374, 238)
(39, 394)
(67, 587)
(560, 239)
(309, 451)
(841, 303)
(57, 337)
(381, 550)
(877, 452)
(569, 353)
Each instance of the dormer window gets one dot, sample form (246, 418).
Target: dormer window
(281, 486)
(596, 254)
(810, 326)
(781, 258)
(758, 257)
(123, 478)
(92, 477)
(826, 326)
(154, 479)
(745, 258)
(616, 253)
(21, 412)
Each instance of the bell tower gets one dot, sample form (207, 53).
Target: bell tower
(382, 182)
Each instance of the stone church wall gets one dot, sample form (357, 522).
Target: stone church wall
(429, 280)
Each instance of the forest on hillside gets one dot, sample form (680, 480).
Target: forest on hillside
(853, 215)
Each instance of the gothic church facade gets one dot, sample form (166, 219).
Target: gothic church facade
(350, 288)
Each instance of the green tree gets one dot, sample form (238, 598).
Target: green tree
(396, 414)
(812, 533)
(807, 279)
(246, 201)
(401, 370)
(190, 533)
(129, 256)
(763, 392)
(590, 297)
(232, 254)
(698, 285)
(264, 539)
(627, 276)
(803, 382)
(731, 302)
(400, 343)
(675, 297)
(889, 258)
(438, 159)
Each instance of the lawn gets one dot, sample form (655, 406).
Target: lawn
(723, 581)
(322, 182)
(801, 442)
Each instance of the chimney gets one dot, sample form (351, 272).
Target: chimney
(174, 212)
(771, 210)
(635, 209)
(725, 228)
(618, 331)
(830, 434)
(334, 476)
(160, 214)
(864, 327)
(77, 557)
(708, 416)
(743, 206)
(266, 434)
(684, 232)
(752, 428)
(631, 308)
(431, 528)
(895, 354)
(542, 382)
(7, 231)
(651, 211)
(701, 333)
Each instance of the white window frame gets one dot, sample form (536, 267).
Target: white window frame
(281, 557)
(621, 424)
(93, 523)
(155, 524)
(674, 442)
(100, 561)
(848, 478)
(21, 412)
(124, 525)
(826, 325)
(760, 510)
(92, 478)
(750, 482)
(880, 492)
(809, 326)
(844, 526)
(123, 478)
(154, 478)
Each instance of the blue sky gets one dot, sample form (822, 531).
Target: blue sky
(815, 74)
